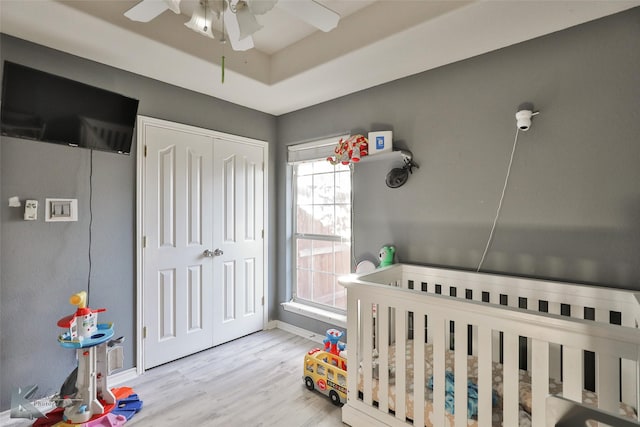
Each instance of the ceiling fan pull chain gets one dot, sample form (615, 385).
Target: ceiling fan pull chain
(205, 15)
(223, 41)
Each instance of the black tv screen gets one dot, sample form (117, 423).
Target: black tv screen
(49, 108)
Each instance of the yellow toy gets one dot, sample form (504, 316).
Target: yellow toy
(327, 373)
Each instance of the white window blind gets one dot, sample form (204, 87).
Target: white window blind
(314, 150)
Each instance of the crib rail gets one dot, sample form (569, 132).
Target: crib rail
(380, 316)
(599, 304)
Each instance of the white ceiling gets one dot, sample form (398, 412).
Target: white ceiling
(293, 65)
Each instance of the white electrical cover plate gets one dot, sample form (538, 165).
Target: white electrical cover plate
(31, 210)
(60, 210)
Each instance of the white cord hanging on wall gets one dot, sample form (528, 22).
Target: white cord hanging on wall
(523, 123)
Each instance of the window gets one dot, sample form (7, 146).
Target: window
(322, 232)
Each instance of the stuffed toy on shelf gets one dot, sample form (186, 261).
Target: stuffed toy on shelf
(349, 150)
(386, 255)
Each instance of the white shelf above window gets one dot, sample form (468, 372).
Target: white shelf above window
(391, 155)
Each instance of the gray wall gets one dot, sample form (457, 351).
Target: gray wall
(44, 263)
(571, 211)
(572, 207)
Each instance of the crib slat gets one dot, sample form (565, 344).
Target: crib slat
(477, 296)
(460, 374)
(607, 382)
(572, 373)
(555, 349)
(577, 312)
(510, 378)
(367, 351)
(354, 339)
(602, 315)
(484, 377)
(629, 368)
(629, 380)
(401, 372)
(539, 381)
(494, 298)
(418, 370)
(439, 327)
(383, 358)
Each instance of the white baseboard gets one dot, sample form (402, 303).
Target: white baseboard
(296, 330)
(273, 324)
(123, 377)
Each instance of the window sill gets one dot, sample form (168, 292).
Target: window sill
(326, 316)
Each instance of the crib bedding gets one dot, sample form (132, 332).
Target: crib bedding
(555, 387)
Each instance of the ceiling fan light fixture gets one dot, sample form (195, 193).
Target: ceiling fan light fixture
(200, 21)
(233, 32)
(239, 16)
(217, 6)
(246, 22)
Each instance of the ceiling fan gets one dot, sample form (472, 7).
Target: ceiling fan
(238, 17)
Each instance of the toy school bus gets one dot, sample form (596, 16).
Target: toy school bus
(326, 373)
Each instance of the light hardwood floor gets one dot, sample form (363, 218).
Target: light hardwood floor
(252, 381)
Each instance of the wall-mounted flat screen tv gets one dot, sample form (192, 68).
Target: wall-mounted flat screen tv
(49, 108)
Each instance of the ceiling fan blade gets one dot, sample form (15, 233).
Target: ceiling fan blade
(146, 10)
(312, 13)
(233, 32)
(260, 7)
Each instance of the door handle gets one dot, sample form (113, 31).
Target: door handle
(209, 253)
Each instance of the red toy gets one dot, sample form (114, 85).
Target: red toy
(349, 150)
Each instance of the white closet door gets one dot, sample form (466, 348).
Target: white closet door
(178, 290)
(238, 234)
(203, 211)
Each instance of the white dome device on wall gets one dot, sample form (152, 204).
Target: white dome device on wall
(524, 115)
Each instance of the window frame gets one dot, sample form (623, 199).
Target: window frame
(295, 237)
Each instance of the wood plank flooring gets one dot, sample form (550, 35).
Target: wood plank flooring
(252, 381)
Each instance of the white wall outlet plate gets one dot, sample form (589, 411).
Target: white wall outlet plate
(31, 210)
(59, 210)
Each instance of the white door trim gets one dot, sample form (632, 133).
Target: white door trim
(142, 121)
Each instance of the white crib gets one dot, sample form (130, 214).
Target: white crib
(582, 337)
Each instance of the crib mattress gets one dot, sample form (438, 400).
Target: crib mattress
(555, 387)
